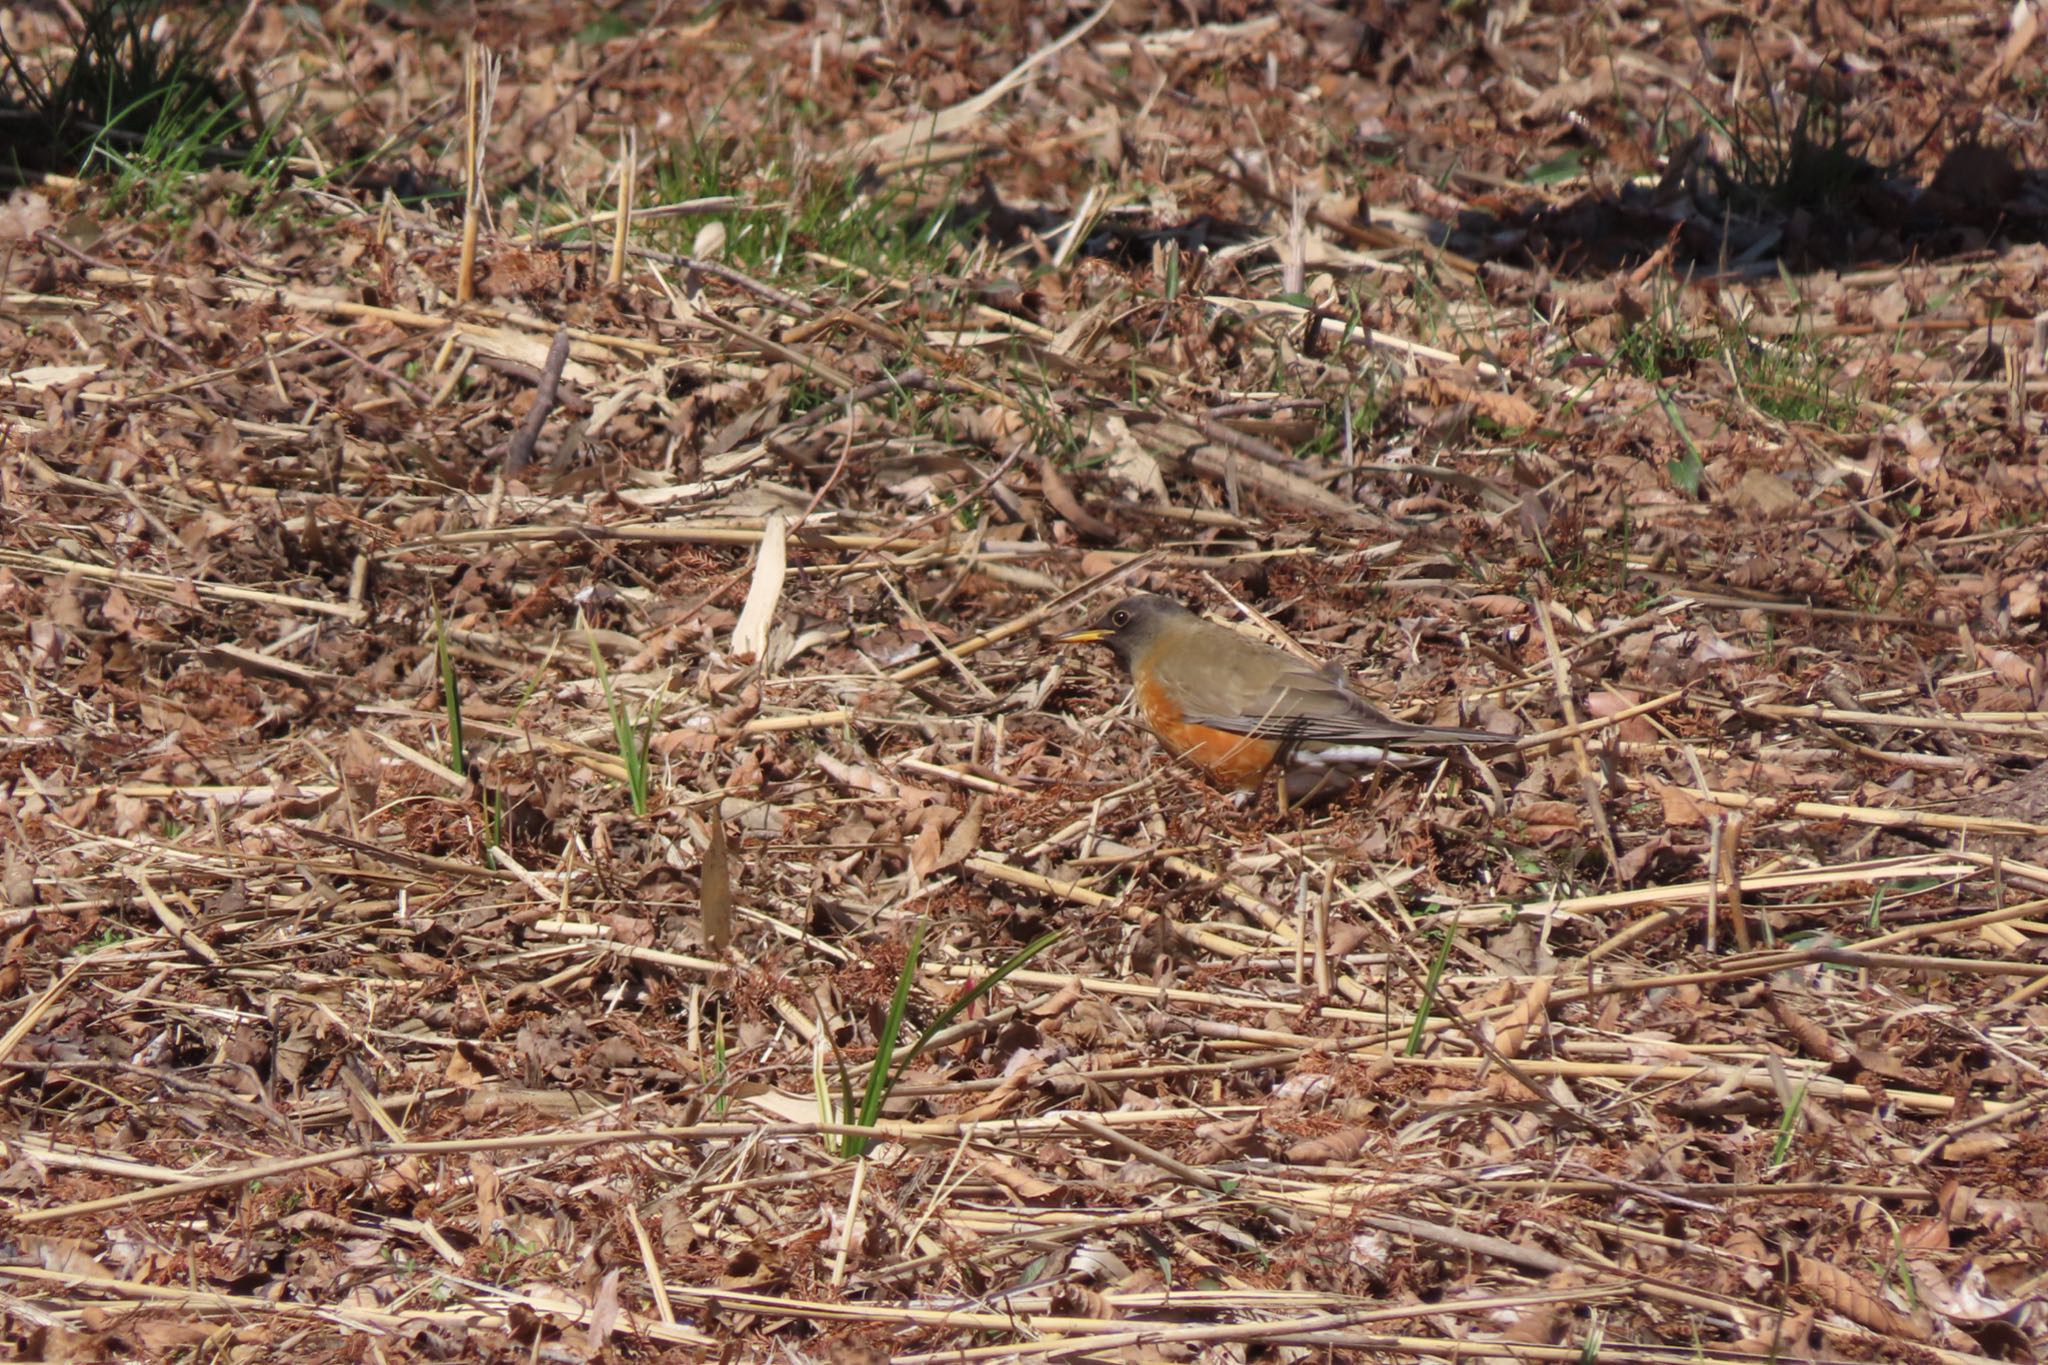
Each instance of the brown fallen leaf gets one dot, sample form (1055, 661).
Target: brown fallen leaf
(1680, 808)
(1019, 1182)
(1812, 1037)
(1847, 1295)
(1331, 1148)
(715, 895)
(1528, 1013)
(1782, 1337)
(1503, 409)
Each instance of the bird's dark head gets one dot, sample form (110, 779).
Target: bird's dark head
(1130, 626)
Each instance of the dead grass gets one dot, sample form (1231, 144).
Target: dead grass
(1443, 346)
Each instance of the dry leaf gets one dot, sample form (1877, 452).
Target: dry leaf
(1781, 1337)
(1019, 1182)
(604, 1314)
(1846, 1294)
(1528, 1013)
(715, 891)
(1129, 463)
(1331, 1149)
(1680, 806)
(24, 215)
(924, 843)
(1503, 409)
(487, 1190)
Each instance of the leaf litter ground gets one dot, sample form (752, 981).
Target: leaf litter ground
(1660, 387)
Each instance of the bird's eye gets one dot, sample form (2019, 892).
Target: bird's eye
(1119, 618)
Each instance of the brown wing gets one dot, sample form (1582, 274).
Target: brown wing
(1249, 689)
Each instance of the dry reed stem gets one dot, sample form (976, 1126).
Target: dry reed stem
(171, 584)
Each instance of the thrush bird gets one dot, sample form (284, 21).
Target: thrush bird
(1240, 710)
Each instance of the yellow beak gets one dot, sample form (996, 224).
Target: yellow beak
(1087, 636)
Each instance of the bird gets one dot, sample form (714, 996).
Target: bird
(1240, 710)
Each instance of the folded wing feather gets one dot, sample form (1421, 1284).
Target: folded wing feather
(1300, 703)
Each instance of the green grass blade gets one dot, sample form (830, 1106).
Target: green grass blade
(880, 1076)
(981, 988)
(451, 695)
(1420, 1029)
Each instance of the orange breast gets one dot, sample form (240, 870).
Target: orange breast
(1233, 760)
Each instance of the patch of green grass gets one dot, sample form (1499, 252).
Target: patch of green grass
(1687, 470)
(1657, 348)
(805, 394)
(506, 1257)
(1656, 340)
(133, 67)
(905, 224)
(1795, 379)
(1810, 163)
(888, 1066)
(1580, 558)
(900, 405)
(1054, 434)
(109, 937)
(137, 96)
(1432, 310)
(632, 732)
(605, 28)
(1359, 407)
(1784, 155)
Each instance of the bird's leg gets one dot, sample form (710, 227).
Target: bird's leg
(1379, 784)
